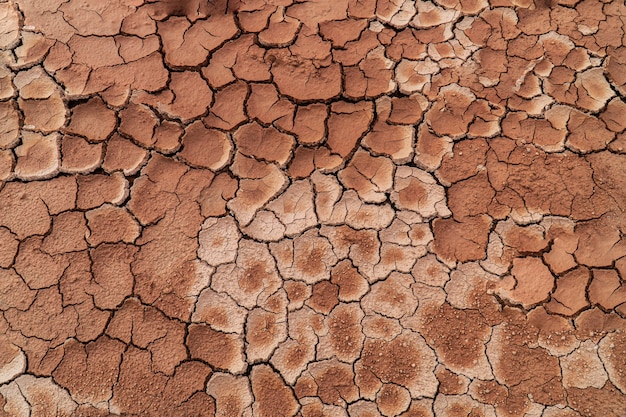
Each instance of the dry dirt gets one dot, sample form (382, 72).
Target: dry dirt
(313, 208)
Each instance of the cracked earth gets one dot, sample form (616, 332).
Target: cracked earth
(313, 208)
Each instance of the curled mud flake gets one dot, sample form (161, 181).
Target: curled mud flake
(397, 14)
(190, 96)
(10, 28)
(47, 115)
(531, 282)
(588, 133)
(35, 84)
(80, 156)
(93, 120)
(429, 15)
(9, 128)
(593, 89)
(12, 361)
(38, 156)
(412, 76)
(281, 30)
(346, 125)
(393, 140)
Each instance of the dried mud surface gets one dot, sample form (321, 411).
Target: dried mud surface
(313, 208)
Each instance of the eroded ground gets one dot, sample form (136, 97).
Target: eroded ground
(318, 208)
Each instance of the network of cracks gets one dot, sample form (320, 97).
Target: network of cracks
(313, 208)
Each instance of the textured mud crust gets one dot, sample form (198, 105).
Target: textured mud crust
(311, 208)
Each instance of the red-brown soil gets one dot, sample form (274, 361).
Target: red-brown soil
(313, 208)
